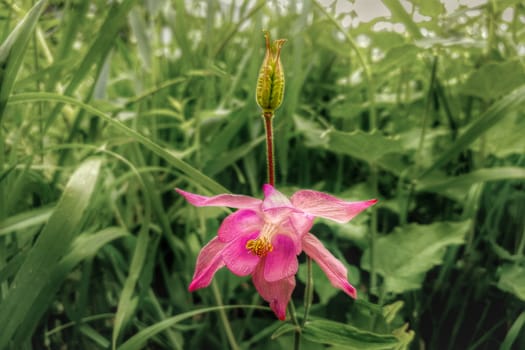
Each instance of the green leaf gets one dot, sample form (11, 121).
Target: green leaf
(283, 329)
(505, 138)
(513, 332)
(487, 120)
(197, 176)
(12, 52)
(52, 244)
(403, 257)
(512, 280)
(127, 302)
(87, 245)
(458, 186)
(84, 246)
(25, 220)
(138, 26)
(311, 131)
(231, 156)
(494, 80)
(405, 337)
(102, 44)
(400, 14)
(431, 8)
(137, 341)
(361, 145)
(390, 311)
(396, 57)
(335, 333)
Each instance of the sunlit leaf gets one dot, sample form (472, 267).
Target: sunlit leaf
(494, 80)
(512, 280)
(404, 256)
(361, 145)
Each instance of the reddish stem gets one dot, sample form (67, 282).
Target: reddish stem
(268, 127)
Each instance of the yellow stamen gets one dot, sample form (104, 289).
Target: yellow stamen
(260, 246)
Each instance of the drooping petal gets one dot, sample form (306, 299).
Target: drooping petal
(276, 206)
(333, 268)
(324, 205)
(238, 258)
(240, 223)
(221, 200)
(281, 262)
(208, 262)
(276, 293)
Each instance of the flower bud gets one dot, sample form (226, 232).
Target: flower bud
(270, 83)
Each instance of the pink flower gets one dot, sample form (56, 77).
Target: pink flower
(264, 237)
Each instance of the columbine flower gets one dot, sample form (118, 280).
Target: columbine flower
(264, 237)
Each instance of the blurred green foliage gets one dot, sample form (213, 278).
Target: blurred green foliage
(106, 106)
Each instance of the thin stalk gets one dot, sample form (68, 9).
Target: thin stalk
(521, 245)
(309, 290)
(297, 334)
(297, 341)
(270, 157)
(224, 319)
(373, 230)
(426, 113)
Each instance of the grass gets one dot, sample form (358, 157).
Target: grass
(104, 110)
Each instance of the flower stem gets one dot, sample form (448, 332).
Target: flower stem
(270, 159)
(297, 333)
(224, 318)
(309, 290)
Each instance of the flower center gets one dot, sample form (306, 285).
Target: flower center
(262, 245)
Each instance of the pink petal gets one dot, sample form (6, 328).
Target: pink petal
(327, 206)
(277, 293)
(208, 262)
(333, 268)
(221, 200)
(301, 222)
(289, 229)
(274, 198)
(281, 262)
(237, 258)
(276, 205)
(240, 223)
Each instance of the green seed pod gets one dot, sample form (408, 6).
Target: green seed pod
(270, 83)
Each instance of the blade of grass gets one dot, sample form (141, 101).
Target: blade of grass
(513, 332)
(127, 303)
(12, 52)
(465, 181)
(114, 21)
(84, 246)
(194, 174)
(72, 22)
(50, 247)
(138, 341)
(487, 120)
(26, 219)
